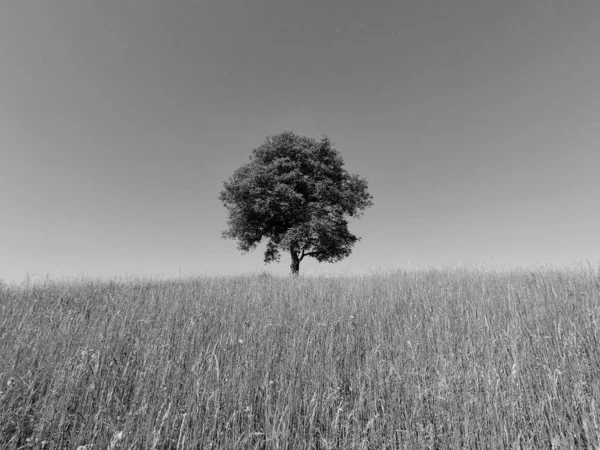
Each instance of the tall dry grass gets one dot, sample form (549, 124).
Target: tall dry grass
(453, 358)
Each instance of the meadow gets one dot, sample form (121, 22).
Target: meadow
(431, 358)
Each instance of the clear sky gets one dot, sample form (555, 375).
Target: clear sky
(477, 124)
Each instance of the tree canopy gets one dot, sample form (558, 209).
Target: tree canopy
(296, 193)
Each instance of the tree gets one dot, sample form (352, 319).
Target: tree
(296, 193)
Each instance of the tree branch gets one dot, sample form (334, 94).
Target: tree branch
(310, 253)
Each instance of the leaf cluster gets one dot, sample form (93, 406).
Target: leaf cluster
(296, 193)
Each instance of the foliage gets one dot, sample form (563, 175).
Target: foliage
(296, 193)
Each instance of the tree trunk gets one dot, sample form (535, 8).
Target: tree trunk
(295, 266)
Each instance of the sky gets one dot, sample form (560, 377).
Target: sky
(476, 122)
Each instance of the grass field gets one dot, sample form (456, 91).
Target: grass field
(438, 358)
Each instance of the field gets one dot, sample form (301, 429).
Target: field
(436, 358)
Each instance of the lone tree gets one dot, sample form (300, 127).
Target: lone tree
(296, 193)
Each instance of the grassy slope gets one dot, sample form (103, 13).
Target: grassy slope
(435, 358)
